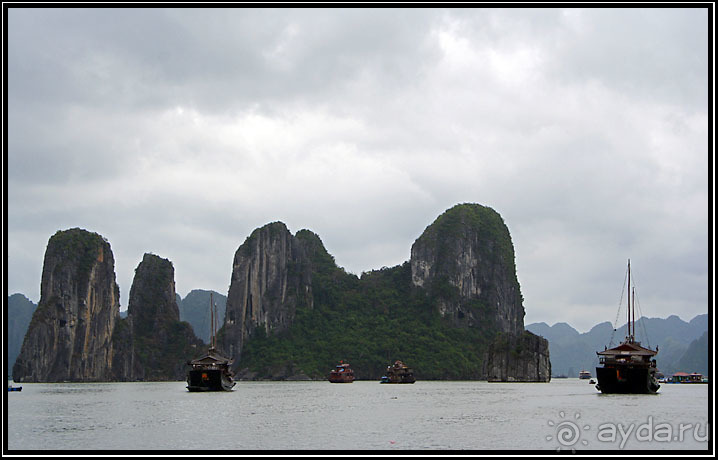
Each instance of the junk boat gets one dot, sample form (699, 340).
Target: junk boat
(398, 373)
(629, 367)
(212, 371)
(584, 375)
(342, 373)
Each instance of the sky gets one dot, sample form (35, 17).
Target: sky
(178, 132)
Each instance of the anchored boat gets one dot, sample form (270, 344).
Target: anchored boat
(342, 373)
(629, 367)
(398, 373)
(211, 372)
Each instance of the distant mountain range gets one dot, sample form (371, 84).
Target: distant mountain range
(682, 346)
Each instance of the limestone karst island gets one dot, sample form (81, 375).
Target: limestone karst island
(453, 311)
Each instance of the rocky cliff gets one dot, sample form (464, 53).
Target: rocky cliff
(270, 275)
(440, 311)
(69, 337)
(518, 358)
(465, 262)
(152, 343)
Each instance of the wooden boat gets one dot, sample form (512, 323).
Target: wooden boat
(398, 373)
(342, 373)
(629, 367)
(211, 372)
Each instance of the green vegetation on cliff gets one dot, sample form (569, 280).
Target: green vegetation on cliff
(370, 323)
(160, 342)
(374, 320)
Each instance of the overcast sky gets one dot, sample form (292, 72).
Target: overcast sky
(180, 131)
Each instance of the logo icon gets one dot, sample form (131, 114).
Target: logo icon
(568, 432)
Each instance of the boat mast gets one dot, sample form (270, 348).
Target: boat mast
(629, 301)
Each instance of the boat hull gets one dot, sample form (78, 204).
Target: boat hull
(395, 379)
(209, 380)
(341, 378)
(634, 380)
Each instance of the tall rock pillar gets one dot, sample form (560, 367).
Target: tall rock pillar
(70, 334)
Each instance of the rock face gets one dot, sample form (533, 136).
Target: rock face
(462, 267)
(271, 274)
(152, 343)
(518, 358)
(69, 337)
(465, 259)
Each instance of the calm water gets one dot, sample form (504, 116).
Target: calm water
(566, 413)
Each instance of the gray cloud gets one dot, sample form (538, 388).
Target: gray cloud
(179, 131)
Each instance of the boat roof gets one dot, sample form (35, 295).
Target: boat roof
(628, 348)
(211, 357)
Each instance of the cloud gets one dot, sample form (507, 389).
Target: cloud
(179, 131)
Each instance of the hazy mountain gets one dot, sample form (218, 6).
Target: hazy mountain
(695, 359)
(572, 351)
(19, 313)
(195, 310)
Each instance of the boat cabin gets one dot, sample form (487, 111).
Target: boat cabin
(683, 377)
(628, 353)
(210, 361)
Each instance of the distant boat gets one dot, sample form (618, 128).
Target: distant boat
(342, 373)
(682, 377)
(629, 367)
(584, 375)
(212, 371)
(12, 388)
(398, 373)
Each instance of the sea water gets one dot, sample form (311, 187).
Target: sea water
(565, 414)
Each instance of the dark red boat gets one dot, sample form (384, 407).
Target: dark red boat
(342, 373)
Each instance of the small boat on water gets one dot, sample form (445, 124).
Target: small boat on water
(211, 372)
(584, 374)
(12, 388)
(683, 377)
(342, 373)
(629, 367)
(398, 373)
